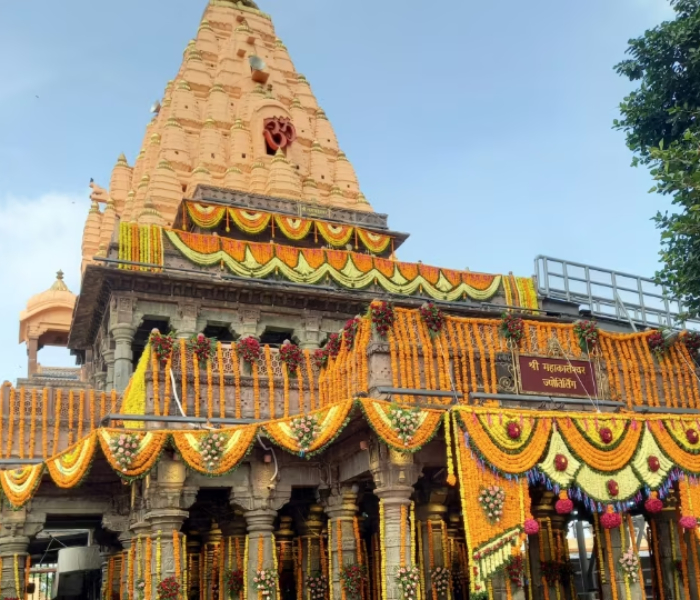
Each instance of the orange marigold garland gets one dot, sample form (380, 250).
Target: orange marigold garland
(22, 410)
(310, 376)
(195, 373)
(32, 424)
(44, 423)
(271, 385)
(222, 382)
(183, 374)
(57, 423)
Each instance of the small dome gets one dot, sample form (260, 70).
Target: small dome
(56, 304)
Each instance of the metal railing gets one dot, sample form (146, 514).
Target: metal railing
(610, 294)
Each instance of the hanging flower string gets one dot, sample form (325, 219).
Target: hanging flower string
(382, 315)
(202, 347)
(433, 318)
(407, 580)
(512, 328)
(249, 350)
(515, 569)
(305, 431)
(124, 449)
(292, 356)
(587, 334)
(405, 422)
(162, 345)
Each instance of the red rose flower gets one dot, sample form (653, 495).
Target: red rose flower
(513, 430)
(606, 435)
(692, 436)
(654, 464)
(561, 462)
(613, 488)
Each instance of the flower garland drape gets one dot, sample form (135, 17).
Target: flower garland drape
(348, 269)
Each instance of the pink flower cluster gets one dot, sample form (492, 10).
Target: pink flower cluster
(211, 447)
(305, 431)
(688, 522)
(611, 520)
(629, 564)
(653, 505)
(407, 580)
(124, 449)
(491, 499)
(405, 422)
(440, 580)
(531, 527)
(265, 582)
(317, 586)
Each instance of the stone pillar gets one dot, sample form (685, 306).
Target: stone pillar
(341, 509)
(125, 539)
(123, 356)
(15, 533)
(186, 326)
(249, 319)
(108, 356)
(394, 475)
(32, 355)
(285, 539)
(432, 544)
(664, 553)
(545, 547)
(211, 555)
(310, 531)
(616, 541)
(234, 532)
(13, 553)
(309, 335)
(167, 501)
(260, 524)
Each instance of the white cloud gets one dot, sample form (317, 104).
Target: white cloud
(38, 236)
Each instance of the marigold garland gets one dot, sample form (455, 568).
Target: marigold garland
(22, 410)
(183, 375)
(44, 423)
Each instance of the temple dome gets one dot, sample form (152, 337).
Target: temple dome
(49, 312)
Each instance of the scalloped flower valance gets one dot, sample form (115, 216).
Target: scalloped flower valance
(293, 228)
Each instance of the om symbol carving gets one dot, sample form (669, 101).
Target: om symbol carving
(279, 132)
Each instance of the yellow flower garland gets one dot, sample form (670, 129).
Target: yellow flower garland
(382, 548)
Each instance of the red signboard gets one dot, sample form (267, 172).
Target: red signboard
(556, 377)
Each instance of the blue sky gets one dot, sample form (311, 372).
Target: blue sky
(481, 128)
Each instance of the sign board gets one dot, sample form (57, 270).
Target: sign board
(556, 377)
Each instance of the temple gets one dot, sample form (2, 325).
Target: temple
(269, 403)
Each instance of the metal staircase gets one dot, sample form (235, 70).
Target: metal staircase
(610, 294)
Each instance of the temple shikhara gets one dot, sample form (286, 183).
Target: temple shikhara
(268, 404)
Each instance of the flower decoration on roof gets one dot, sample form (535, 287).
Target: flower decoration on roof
(587, 334)
(305, 431)
(124, 449)
(202, 347)
(162, 345)
(249, 349)
(291, 355)
(691, 339)
(512, 327)
(382, 314)
(657, 343)
(405, 422)
(433, 318)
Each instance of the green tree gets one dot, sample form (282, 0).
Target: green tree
(661, 120)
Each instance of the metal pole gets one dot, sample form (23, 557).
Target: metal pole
(582, 555)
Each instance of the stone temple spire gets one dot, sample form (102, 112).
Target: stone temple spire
(233, 103)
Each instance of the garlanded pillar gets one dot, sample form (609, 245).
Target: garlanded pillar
(549, 566)
(665, 548)
(286, 558)
(261, 573)
(432, 543)
(167, 503)
(343, 539)
(394, 475)
(17, 529)
(618, 553)
(312, 568)
(234, 532)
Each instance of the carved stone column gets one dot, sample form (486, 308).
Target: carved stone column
(666, 546)
(186, 326)
(249, 319)
(17, 529)
(286, 552)
(310, 534)
(260, 523)
(543, 547)
(309, 335)
(234, 532)
(108, 356)
(341, 509)
(123, 335)
(431, 513)
(394, 475)
(167, 502)
(615, 541)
